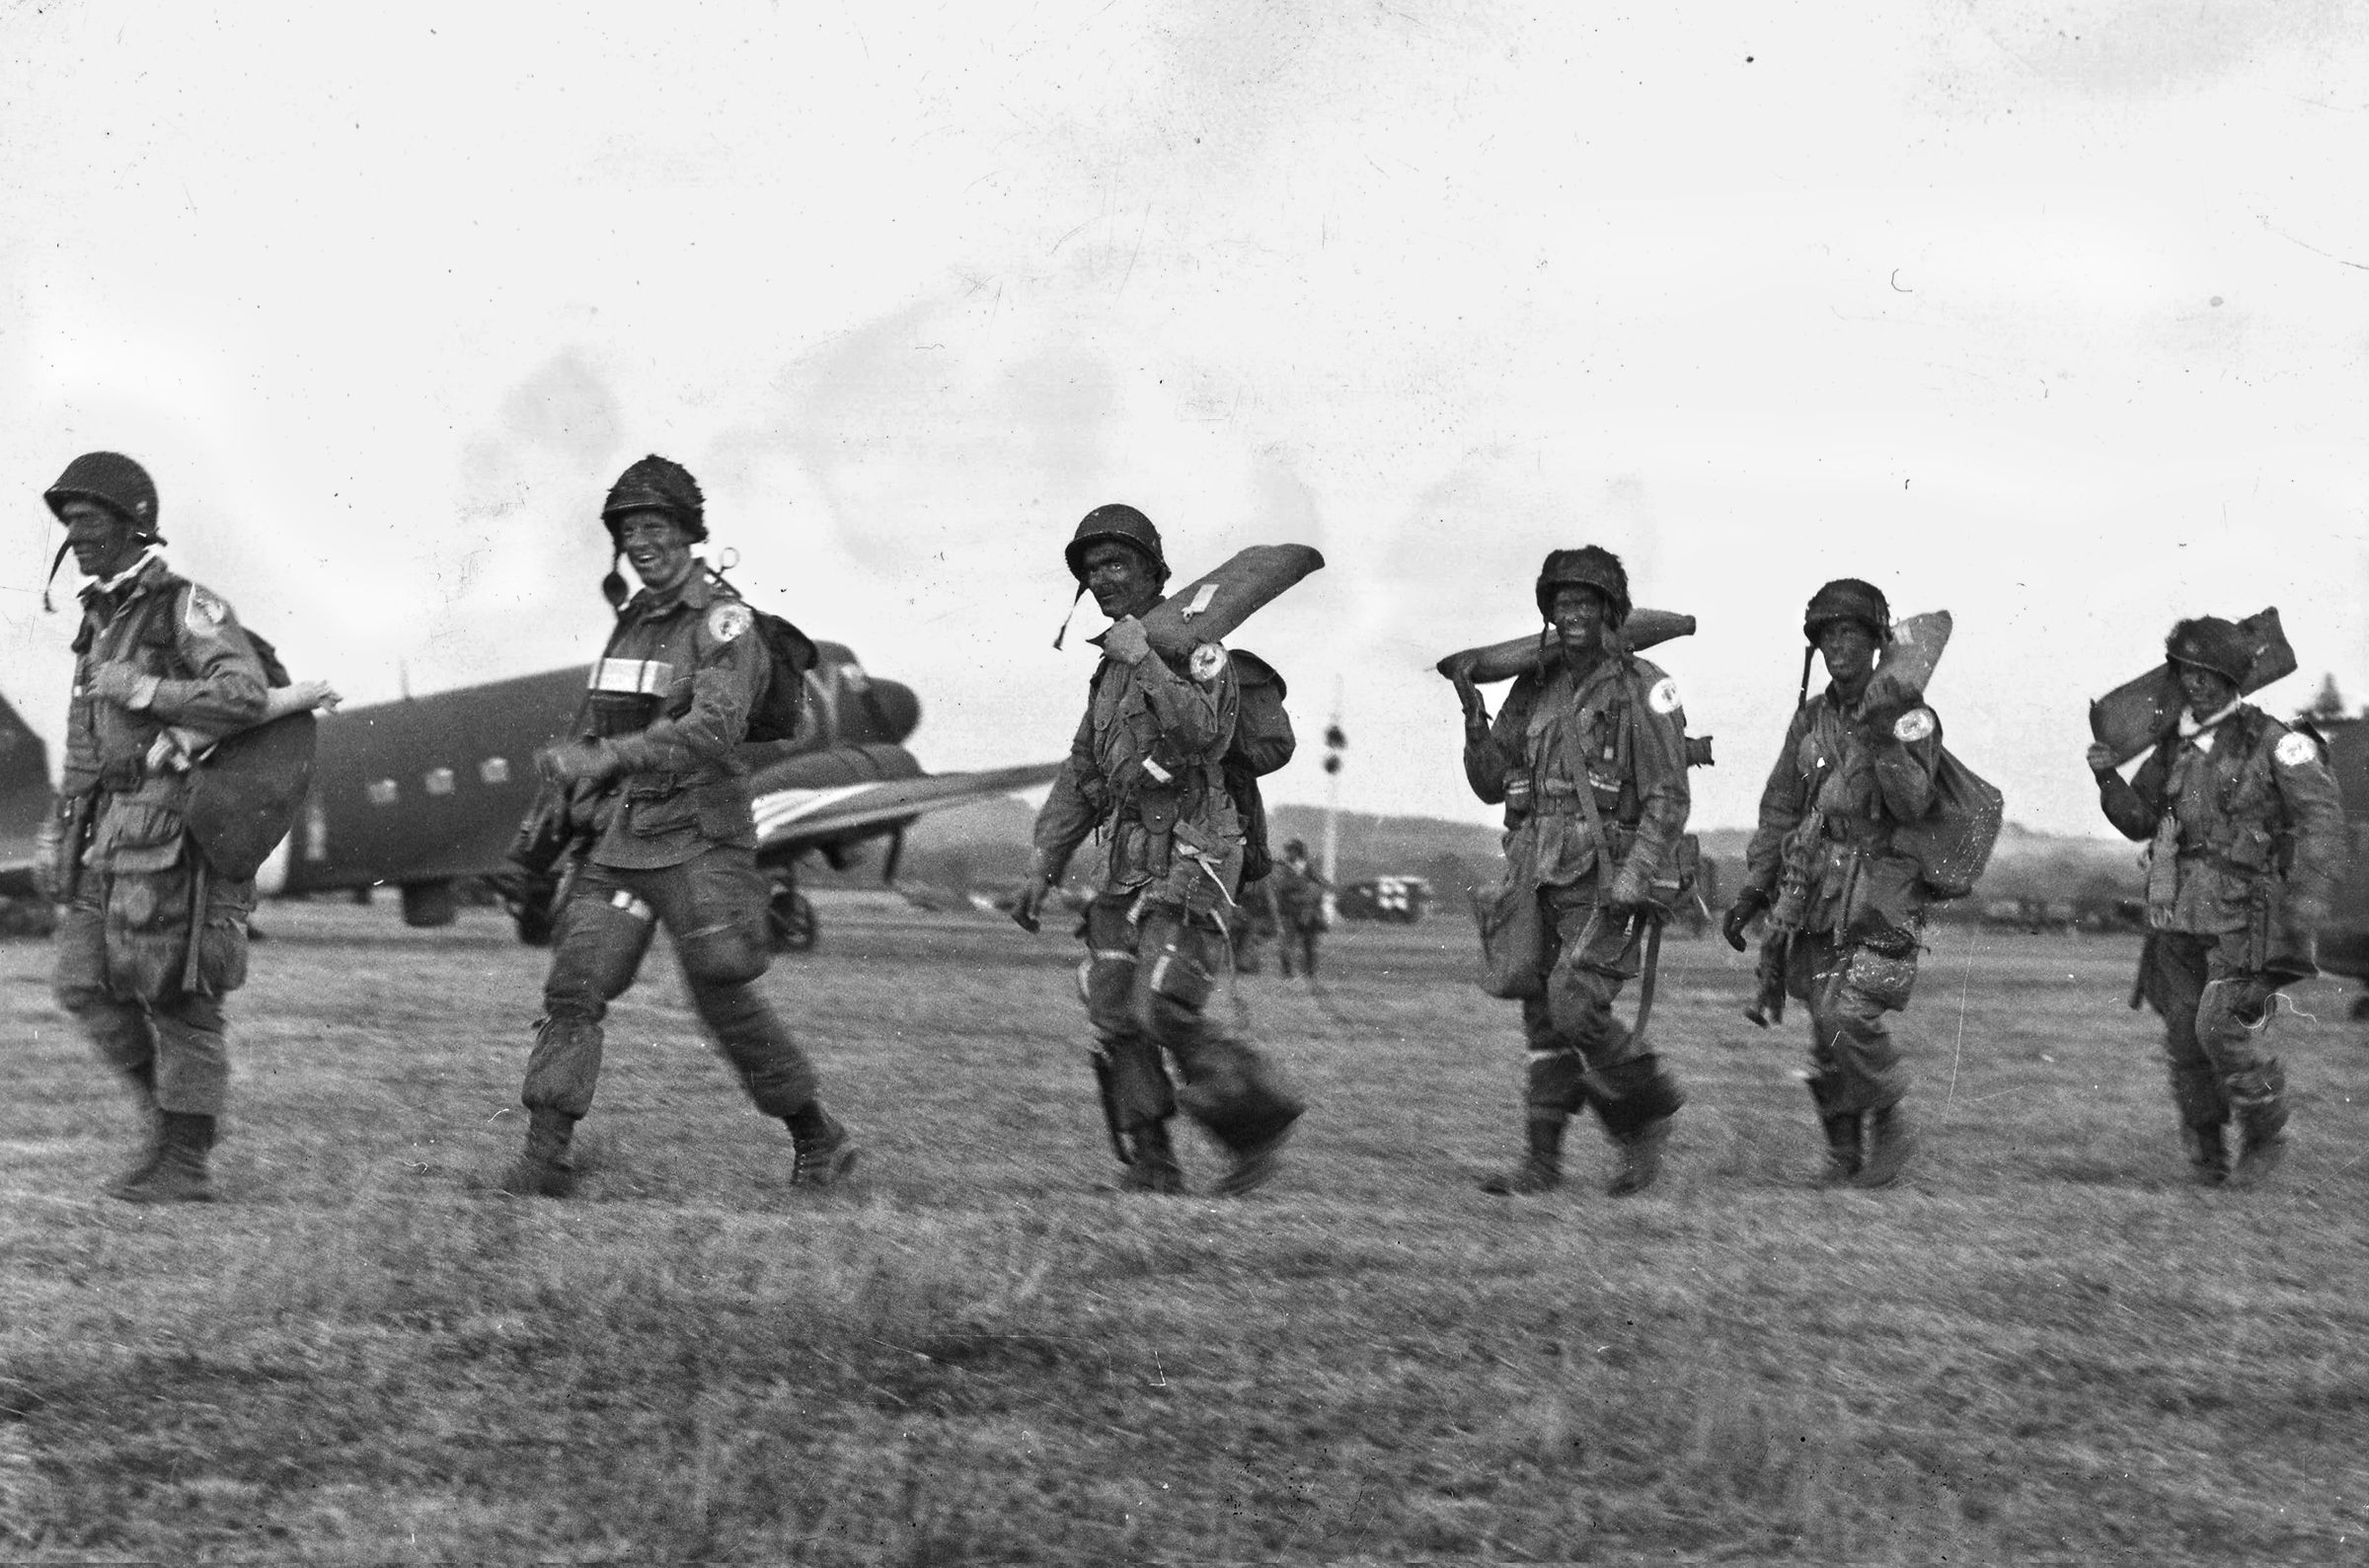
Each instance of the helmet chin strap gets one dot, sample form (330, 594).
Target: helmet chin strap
(1072, 615)
(56, 561)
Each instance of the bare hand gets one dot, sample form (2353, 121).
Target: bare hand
(1476, 711)
(571, 762)
(1628, 891)
(1026, 908)
(1126, 641)
(2101, 758)
(2307, 911)
(118, 682)
(316, 695)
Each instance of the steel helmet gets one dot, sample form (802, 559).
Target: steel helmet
(1590, 566)
(1848, 599)
(2211, 644)
(1123, 523)
(114, 481)
(655, 484)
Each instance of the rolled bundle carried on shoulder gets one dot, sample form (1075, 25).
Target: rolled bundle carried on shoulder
(2136, 714)
(1904, 667)
(1209, 608)
(1502, 661)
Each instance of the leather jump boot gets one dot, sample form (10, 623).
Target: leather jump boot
(1153, 1165)
(543, 1168)
(2208, 1154)
(1844, 1155)
(1891, 1145)
(1540, 1171)
(142, 1080)
(2260, 1107)
(179, 1173)
(827, 1150)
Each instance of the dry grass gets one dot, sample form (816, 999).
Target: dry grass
(2044, 1349)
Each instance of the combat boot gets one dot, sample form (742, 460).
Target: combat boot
(543, 1170)
(2208, 1154)
(143, 1089)
(1641, 1158)
(1254, 1164)
(1540, 1170)
(827, 1150)
(1153, 1165)
(1842, 1128)
(179, 1174)
(1891, 1145)
(2258, 1100)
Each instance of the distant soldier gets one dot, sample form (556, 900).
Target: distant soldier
(1146, 769)
(658, 788)
(153, 940)
(2245, 836)
(1299, 894)
(1850, 774)
(1588, 754)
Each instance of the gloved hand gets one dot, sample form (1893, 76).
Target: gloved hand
(2101, 758)
(1125, 641)
(1739, 915)
(570, 762)
(118, 682)
(2307, 911)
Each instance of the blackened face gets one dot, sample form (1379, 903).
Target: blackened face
(102, 540)
(657, 546)
(2207, 691)
(1849, 649)
(1119, 576)
(1582, 617)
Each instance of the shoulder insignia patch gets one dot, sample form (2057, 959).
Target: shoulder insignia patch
(727, 619)
(1913, 725)
(204, 612)
(1663, 698)
(2295, 748)
(1208, 662)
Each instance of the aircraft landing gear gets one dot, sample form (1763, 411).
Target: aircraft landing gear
(789, 920)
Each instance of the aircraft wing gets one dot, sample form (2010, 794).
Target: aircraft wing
(787, 819)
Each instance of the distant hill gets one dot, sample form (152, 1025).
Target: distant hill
(985, 845)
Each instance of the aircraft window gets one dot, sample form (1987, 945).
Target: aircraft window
(494, 771)
(438, 781)
(382, 791)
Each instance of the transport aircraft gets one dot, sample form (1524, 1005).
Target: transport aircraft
(424, 793)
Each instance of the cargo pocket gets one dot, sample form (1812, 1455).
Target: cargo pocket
(655, 817)
(222, 954)
(137, 835)
(722, 811)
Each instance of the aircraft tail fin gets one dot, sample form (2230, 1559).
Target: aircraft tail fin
(24, 776)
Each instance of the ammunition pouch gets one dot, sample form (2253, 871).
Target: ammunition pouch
(1675, 878)
(1178, 973)
(613, 713)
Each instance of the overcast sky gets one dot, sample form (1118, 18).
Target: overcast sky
(2053, 316)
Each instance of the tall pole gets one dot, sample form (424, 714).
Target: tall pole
(1335, 744)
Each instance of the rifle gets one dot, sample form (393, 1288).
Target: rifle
(1108, 1095)
(1785, 917)
(81, 812)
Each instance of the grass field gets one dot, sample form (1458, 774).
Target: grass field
(2044, 1348)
